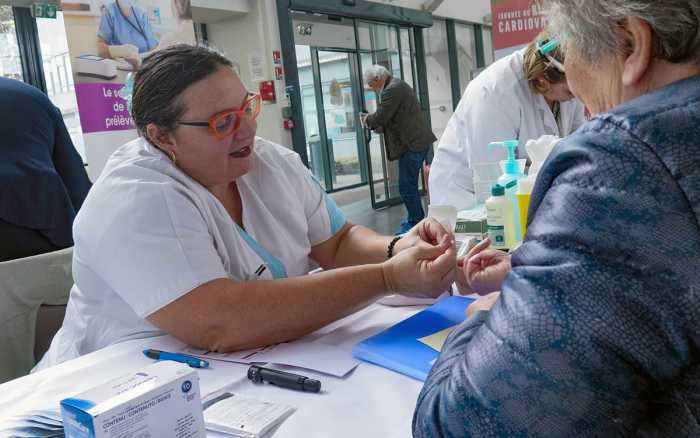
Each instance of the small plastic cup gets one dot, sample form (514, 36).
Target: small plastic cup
(482, 190)
(445, 214)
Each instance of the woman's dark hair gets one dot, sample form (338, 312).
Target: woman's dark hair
(162, 78)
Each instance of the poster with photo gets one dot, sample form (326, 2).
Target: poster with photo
(515, 24)
(107, 40)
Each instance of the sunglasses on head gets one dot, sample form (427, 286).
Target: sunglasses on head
(227, 122)
(544, 50)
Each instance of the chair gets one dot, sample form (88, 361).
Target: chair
(33, 296)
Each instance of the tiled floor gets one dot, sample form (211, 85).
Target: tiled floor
(358, 209)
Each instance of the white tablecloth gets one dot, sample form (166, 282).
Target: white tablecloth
(369, 402)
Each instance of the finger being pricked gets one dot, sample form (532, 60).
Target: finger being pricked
(481, 246)
(485, 258)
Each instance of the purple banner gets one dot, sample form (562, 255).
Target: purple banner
(101, 109)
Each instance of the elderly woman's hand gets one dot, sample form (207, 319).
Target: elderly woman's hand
(483, 270)
(423, 270)
(428, 230)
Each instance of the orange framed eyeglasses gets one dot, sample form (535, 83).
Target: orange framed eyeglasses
(227, 122)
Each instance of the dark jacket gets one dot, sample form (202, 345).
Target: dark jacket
(597, 331)
(42, 178)
(400, 118)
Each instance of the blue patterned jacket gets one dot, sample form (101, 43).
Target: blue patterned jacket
(597, 331)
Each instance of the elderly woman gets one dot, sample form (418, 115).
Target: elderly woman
(202, 230)
(597, 330)
(521, 97)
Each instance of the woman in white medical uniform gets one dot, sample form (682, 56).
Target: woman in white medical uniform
(522, 96)
(201, 230)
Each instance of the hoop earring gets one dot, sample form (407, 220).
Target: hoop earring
(173, 158)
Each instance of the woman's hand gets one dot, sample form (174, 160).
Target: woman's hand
(428, 230)
(483, 303)
(483, 270)
(423, 270)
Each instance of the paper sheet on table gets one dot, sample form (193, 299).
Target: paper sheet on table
(437, 340)
(244, 417)
(398, 300)
(315, 356)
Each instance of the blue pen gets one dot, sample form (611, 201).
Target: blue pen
(192, 361)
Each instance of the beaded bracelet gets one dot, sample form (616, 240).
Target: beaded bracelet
(390, 249)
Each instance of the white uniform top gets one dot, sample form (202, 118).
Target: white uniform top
(497, 105)
(147, 234)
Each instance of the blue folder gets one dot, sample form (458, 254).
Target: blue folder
(398, 348)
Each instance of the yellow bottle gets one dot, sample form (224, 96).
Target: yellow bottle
(523, 198)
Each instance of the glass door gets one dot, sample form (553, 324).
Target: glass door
(339, 83)
(330, 93)
(330, 88)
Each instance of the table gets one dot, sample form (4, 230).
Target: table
(369, 402)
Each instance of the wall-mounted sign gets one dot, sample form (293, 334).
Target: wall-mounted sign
(44, 10)
(515, 24)
(108, 40)
(267, 91)
(256, 66)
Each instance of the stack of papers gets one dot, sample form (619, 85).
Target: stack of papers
(33, 424)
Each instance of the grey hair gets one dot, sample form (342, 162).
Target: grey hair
(374, 72)
(590, 27)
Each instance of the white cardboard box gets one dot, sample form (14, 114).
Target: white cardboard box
(161, 400)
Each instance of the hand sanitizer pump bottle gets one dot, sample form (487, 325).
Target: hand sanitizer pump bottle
(509, 180)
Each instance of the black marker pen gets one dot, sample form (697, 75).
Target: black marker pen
(283, 379)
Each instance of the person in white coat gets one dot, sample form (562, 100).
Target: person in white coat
(203, 231)
(522, 96)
